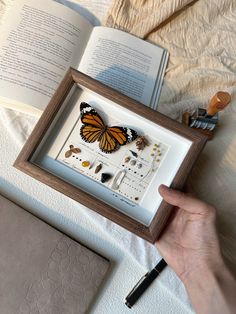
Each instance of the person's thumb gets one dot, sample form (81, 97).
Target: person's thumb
(184, 201)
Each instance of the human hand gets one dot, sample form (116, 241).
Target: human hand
(189, 244)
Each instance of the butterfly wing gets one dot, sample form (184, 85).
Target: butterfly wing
(116, 136)
(93, 125)
(90, 133)
(107, 143)
(94, 129)
(123, 135)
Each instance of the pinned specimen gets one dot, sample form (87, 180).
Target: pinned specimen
(94, 129)
(105, 177)
(140, 166)
(72, 150)
(141, 142)
(98, 168)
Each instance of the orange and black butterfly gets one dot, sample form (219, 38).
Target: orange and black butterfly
(94, 129)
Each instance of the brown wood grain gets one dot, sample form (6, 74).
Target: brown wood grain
(24, 163)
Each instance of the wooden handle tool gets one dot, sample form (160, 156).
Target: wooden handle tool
(218, 102)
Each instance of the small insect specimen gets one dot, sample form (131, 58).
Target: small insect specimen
(141, 142)
(72, 150)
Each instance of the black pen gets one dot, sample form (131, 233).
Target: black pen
(144, 283)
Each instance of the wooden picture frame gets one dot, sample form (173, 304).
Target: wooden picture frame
(45, 126)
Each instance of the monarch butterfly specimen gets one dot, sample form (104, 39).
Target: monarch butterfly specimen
(94, 129)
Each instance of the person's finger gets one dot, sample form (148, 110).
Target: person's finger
(184, 201)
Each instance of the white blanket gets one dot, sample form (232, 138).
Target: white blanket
(213, 64)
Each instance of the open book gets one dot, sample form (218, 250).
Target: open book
(40, 40)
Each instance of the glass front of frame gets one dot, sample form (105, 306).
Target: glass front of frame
(139, 160)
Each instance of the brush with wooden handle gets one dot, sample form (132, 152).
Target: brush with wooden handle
(218, 102)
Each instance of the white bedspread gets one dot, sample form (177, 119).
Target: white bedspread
(214, 177)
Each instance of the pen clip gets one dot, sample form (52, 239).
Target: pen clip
(137, 284)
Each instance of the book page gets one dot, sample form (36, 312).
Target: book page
(123, 62)
(37, 47)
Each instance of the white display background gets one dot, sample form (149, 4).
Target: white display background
(178, 147)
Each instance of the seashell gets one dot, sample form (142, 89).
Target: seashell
(86, 163)
(133, 162)
(127, 159)
(98, 168)
(105, 177)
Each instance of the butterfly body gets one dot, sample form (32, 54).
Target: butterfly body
(94, 129)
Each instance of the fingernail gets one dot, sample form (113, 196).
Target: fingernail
(163, 188)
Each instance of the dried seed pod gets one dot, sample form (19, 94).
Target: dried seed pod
(127, 159)
(141, 142)
(133, 162)
(98, 168)
(105, 177)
